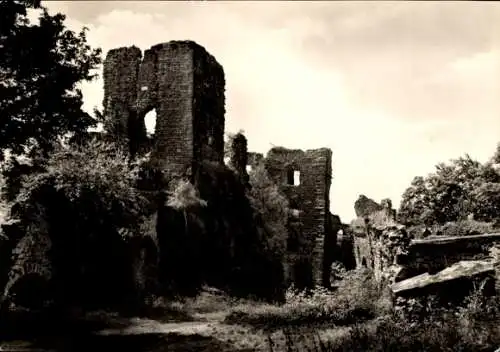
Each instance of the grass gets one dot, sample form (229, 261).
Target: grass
(361, 318)
(357, 316)
(357, 298)
(474, 326)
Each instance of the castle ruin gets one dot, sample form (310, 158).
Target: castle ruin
(305, 178)
(448, 266)
(185, 85)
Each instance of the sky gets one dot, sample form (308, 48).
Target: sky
(392, 88)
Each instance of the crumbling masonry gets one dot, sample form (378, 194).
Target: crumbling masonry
(185, 85)
(446, 266)
(305, 178)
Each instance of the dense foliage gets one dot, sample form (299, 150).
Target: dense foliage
(40, 67)
(272, 208)
(458, 190)
(88, 201)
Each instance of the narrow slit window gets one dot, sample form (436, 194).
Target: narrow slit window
(292, 177)
(296, 178)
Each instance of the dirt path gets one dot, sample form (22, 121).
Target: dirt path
(147, 326)
(239, 338)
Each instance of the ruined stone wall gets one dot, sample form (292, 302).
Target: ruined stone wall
(394, 256)
(185, 85)
(238, 157)
(362, 251)
(30, 257)
(435, 254)
(379, 248)
(254, 159)
(365, 206)
(378, 238)
(310, 197)
(209, 107)
(120, 73)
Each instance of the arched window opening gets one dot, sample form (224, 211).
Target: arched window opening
(150, 122)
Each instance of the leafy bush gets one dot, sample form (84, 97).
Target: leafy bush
(472, 327)
(464, 228)
(455, 228)
(87, 198)
(184, 196)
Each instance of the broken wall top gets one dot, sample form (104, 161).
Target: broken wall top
(377, 216)
(365, 206)
(184, 84)
(255, 158)
(281, 152)
(125, 68)
(309, 162)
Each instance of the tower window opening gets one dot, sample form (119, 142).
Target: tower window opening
(150, 122)
(296, 178)
(293, 177)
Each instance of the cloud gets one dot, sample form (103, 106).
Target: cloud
(392, 88)
(399, 45)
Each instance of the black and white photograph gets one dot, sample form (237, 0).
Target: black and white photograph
(238, 176)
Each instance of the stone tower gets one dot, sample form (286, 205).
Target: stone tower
(305, 178)
(185, 85)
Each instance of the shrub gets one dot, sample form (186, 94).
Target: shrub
(462, 329)
(87, 198)
(426, 326)
(355, 300)
(465, 227)
(456, 228)
(184, 196)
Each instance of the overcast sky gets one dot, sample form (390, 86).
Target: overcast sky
(392, 88)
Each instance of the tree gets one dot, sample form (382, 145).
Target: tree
(272, 207)
(40, 67)
(496, 157)
(415, 203)
(456, 190)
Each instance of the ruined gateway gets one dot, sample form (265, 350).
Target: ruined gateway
(184, 84)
